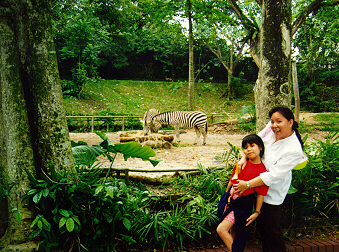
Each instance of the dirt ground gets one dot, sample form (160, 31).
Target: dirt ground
(187, 155)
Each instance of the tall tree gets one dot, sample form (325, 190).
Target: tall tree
(220, 30)
(273, 85)
(34, 133)
(191, 103)
(274, 79)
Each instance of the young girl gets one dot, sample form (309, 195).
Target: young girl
(238, 210)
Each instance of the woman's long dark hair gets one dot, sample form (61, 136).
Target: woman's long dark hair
(288, 114)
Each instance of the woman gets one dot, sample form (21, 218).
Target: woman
(283, 151)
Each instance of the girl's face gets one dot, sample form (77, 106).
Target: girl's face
(281, 127)
(252, 152)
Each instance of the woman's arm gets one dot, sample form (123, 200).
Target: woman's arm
(242, 162)
(255, 214)
(242, 185)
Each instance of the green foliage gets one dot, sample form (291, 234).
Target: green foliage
(83, 211)
(250, 110)
(320, 98)
(239, 88)
(5, 187)
(317, 184)
(248, 123)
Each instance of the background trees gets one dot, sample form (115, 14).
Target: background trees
(149, 40)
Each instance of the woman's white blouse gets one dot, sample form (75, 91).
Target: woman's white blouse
(280, 158)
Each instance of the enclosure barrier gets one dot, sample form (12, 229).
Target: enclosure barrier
(106, 121)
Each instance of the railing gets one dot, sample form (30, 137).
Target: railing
(121, 119)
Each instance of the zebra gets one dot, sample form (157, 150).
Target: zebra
(177, 119)
(149, 114)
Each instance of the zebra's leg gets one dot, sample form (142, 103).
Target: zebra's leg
(204, 133)
(177, 132)
(197, 131)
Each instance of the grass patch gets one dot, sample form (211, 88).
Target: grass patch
(323, 122)
(327, 121)
(128, 97)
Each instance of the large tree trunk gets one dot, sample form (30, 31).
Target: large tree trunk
(15, 147)
(34, 133)
(191, 98)
(273, 86)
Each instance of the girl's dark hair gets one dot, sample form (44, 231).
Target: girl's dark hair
(288, 114)
(253, 139)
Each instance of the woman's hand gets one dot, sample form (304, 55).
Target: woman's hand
(252, 218)
(240, 186)
(242, 162)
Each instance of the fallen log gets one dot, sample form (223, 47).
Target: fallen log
(154, 137)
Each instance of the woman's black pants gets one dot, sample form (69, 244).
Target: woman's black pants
(269, 226)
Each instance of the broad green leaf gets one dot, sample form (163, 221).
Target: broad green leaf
(62, 222)
(102, 135)
(110, 192)
(35, 220)
(32, 191)
(37, 197)
(134, 149)
(45, 192)
(70, 224)
(292, 190)
(98, 190)
(127, 223)
(76, 219)
(35, 233)
(39, 224)
(86, 155)
(47, 225)
(64, 212)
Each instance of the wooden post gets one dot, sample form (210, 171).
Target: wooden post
(126, 177)
(123, 123)
(92, 123)
(296, 91)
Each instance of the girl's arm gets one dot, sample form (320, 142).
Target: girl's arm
(229, 186)
(255, 214)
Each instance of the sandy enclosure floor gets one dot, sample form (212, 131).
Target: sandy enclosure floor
(176, 157)
(187, 156)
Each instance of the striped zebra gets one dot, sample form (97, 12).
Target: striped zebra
(181, 119)
(149, 114)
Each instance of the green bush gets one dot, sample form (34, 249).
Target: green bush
(86, 211)
(318, 97)
(317, 185)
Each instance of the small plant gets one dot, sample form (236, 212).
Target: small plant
(5, 187)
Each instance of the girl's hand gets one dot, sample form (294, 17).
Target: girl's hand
(242, 162)
(240, 186)
(252, 218)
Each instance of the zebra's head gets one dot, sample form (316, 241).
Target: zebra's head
(154, 125)
(148, 119)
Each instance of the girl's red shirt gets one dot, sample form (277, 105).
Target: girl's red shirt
(249, 172)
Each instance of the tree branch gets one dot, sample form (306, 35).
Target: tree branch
(244, 20)
(314, 6)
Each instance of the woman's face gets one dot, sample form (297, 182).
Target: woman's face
(281, 127)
